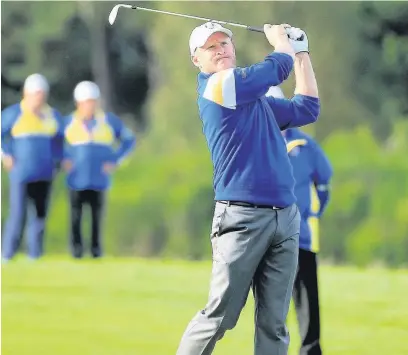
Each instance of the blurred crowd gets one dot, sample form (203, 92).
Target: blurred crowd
(37, 143)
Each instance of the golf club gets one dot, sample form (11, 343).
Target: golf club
(113, 14)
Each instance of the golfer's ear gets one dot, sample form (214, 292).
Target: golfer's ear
(195, 61)
(233, 44)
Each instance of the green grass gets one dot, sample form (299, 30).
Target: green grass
(141, 307)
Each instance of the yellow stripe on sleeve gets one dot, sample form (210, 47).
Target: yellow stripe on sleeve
(313, 221)
(220, 89)
(217, 89)
(295, 143)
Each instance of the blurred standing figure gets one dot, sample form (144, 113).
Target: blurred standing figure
(312, 172)
(32, 141)
(89, 160)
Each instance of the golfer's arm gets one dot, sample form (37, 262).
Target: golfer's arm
(296, 112)
(8, 118)
(67, 152)
(236, 86)
(125, 136)
(285, 47)
(57, 145)
(305, 77)
(127, 145)
(254, 81)
(323, 194)
(322, 175)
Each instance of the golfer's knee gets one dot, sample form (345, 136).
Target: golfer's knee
(228, 323)
(231, 322)
(14, 226)
(222, 330)
(219, 325)
(271, 327)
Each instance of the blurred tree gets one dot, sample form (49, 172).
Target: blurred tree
(76, 44)
(382, 67)
(7, 88)
(92, 14)
(131, 63)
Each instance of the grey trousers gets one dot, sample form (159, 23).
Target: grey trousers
(255, 247)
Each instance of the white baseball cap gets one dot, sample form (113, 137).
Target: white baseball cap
(86, 90)
(201, 33)
(275, 91)
(36, 82)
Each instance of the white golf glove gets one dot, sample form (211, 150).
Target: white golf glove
(298, 39)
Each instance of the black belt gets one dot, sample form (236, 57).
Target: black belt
(246, 204)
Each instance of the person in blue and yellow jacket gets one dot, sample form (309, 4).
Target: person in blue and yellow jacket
(90, 158)
(312, 172)
(31, 143)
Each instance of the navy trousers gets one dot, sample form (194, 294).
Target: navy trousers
(28, 201)
(96, 201)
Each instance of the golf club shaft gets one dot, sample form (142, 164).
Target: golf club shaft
(249, 28)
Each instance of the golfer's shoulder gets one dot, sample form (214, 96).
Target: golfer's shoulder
(307, 137)
(56, 114)
(10, 114)
(112, 118)
(301, 135)
(11, 110)
(223, 77)
(220, 88)
(68, 119)
(311, 144)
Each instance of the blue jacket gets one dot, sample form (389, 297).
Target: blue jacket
(34, 142)
(243, 130)
(90, 144)
(313, 172)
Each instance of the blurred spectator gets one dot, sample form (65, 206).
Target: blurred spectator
(90, 158)
(31, 143)
(312, 172)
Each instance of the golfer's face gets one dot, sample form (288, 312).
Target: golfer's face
(217, 54)
(87, 108)
(36, 99)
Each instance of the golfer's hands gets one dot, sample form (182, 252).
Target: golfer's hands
(109, 168)
(8, 162)
(277, 36)
(67, 165)
(298, 40)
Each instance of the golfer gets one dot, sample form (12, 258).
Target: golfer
(313, 173)
(255, 230)
(31, 149)
(96, 144)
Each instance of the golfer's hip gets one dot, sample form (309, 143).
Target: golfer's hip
(257, 198)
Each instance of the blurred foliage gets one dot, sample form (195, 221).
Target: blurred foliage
(161, 202)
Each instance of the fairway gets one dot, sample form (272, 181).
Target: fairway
(141, 307)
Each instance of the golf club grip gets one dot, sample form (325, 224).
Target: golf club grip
(255, 29)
